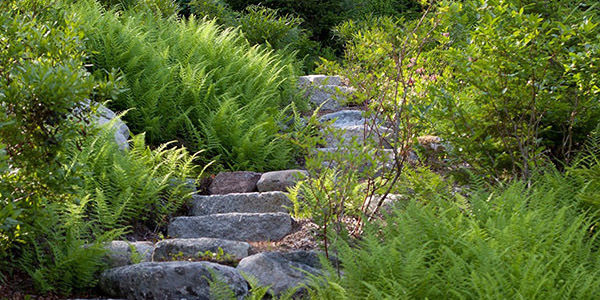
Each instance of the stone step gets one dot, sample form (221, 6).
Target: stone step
(170, 280)
(359, 134)
(343, 118)
(173, 249)
(332, 96)
(234, 182)
(268, 202)
(233, 226)
(354, 126)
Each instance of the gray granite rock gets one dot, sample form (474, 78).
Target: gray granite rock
(234, 182)
(332, 96)
(233, 226)
(170, 280)
(280, 180)
(344, 118)
(358, 133)
(121, 253)
(170, 249)
(104, 115)
(281, 271)
(240, 203)
(310, 80)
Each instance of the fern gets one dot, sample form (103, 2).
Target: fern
(194, 82)
(119, 188)
(513, 241)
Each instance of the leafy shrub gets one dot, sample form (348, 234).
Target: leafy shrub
(509, 242)
(263, 26)
(44, 80)
(506, 88)
(519, 87)
(207, 88)
(319, 16)
(359, 10)
(214, 9)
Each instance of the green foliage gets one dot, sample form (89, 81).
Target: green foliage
(585, 171)
(43, 80)
(192, 82)
(164, 8)
(520, 85)
(508, 84)
(359, 10)
(57, 204)
(57, 257)
(116, 189)
(509, 242)
(214, 9)
(319, 16)
(263, 26)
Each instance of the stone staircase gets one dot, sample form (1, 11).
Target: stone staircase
(220, 224)
(241, 208)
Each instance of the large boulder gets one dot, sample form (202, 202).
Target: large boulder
(104, 115)
(280, 180)
(174, 248)
(240, 203)
(171, 280)
(234, 182)
(281, 271)
(122, 253)
(233, 226)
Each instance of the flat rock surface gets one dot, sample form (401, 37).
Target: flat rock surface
(359, 134)
(240, 203)
(281, 271)
(344, 118)
(234, 182)
(173, 248)
(280, 180)
(170, 280)
(121, 253)
(233, 226)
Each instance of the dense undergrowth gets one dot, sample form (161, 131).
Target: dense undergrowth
(507, 242)
(192, 82)
(507, 209)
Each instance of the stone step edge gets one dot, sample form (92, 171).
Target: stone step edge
(247, 227)
(266, 202)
